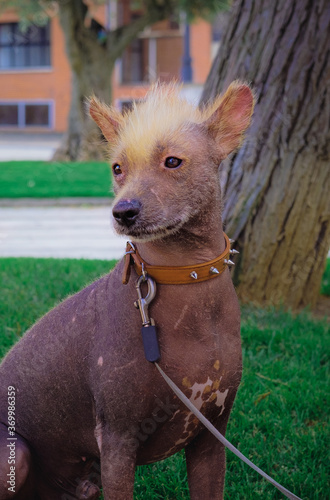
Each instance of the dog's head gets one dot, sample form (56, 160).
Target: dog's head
(165, 155)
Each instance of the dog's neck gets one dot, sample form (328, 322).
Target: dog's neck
(193, 244)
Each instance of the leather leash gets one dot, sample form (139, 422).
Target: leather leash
(181, 275)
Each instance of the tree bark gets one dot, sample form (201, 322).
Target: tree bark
(276, 190)
(91, 70)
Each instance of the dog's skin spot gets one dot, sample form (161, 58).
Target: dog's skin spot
(201, 393)
(182, 315)
(100, 361)
(216, 365)
(215, 384)
(193, 419)
(221, 396)
(209, 391)
(98, 434)
(185, 382)
(191, 426)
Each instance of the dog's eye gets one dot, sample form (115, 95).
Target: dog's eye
(116, 169)
(172, 162)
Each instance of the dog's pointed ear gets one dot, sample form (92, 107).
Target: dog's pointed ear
(231, 117)
(108, 119)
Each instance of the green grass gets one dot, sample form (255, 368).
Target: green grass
(280, 416)
(37, 179)
(30, 287)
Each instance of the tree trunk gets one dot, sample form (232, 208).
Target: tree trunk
(92, 61)
(276, 190)
(82, 140)
(91, 70)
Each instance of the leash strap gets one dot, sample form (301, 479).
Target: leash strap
(220, 437)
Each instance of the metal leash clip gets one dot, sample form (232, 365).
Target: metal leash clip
(143, 303)
(148, 330)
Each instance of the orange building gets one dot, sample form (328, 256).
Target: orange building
(35, 73)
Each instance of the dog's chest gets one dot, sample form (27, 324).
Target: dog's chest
(174, 426)
(200, 351)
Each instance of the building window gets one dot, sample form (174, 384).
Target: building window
(37, 115)
(174, 22)
(133, 62)
(30, 49)
(9, 115)
(26, 114)
(126, 105)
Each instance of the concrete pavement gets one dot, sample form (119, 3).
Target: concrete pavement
(60, 232)
(23, 146)
(77, 201)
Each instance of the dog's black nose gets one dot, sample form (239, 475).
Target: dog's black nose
(126, 212)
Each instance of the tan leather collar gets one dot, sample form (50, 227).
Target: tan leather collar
(176, 275)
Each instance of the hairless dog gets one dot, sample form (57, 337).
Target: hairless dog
(80, 404)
